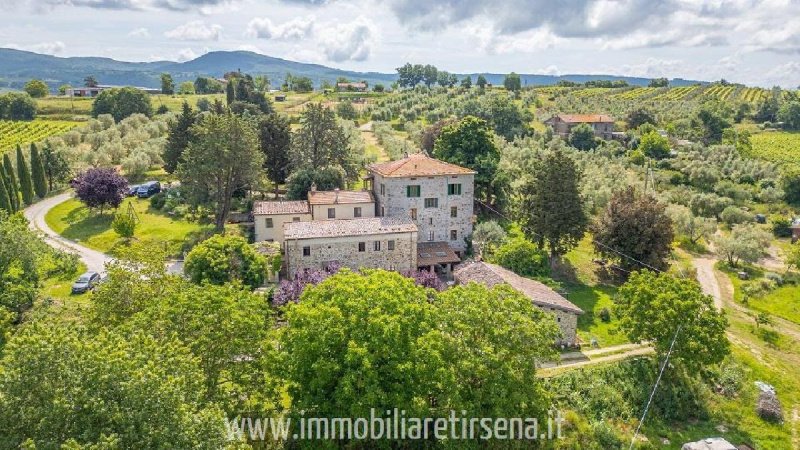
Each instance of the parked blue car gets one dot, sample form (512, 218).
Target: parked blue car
(148, 189)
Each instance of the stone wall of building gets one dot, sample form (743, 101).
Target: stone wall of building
(345, 250)
(275, 234)
(392, 200)
(568, 322)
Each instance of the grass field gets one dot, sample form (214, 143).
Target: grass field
(74, 221)
(780, 147)
(23, 133)
(81, 108)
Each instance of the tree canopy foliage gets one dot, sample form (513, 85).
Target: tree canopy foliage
(121, 103)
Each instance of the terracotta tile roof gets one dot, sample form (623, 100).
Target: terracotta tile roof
(281, 207)
(431, 253)
(492, 275)
(338, 197)
(417, 165)
(348, 227)
(585, 118)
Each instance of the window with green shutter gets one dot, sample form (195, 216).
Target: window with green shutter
(413, 190)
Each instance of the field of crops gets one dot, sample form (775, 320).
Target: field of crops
(23, 133)
(777, 146)
(719, 92)
(675, 94)
(589, 92)
(635, 93)
(754, 95)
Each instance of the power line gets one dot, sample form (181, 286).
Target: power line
(674, 338)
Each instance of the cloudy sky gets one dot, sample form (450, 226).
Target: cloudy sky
(749, 41)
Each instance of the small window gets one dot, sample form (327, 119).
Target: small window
(454, 189)
(453, 235)
(558, 319)
(413, 213)
(383, 189)
(453, 211)
(413, 190)
(295, 219)
(306, 251)
(268, 222)
(430, 235)
(357, 211)
(383, 211)
(432, 202)
(376, 246)
(390, 245)
(331, 213)
(430, 221)
(362, 246)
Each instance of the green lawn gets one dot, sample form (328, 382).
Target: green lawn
(74, 221)
(783, 301)
(588, 292)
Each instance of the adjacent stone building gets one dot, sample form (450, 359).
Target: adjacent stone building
(378, 242)
(337, 204)
(437, 196)
(563, 124)
(269, 218)
(565, 312)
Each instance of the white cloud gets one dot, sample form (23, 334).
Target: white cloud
(349, 42)
(295, 29)
(196, 30)
(139, 32)
(186, 54)
(549, 70)
(49, 48)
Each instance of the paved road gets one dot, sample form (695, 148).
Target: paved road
(94, 260)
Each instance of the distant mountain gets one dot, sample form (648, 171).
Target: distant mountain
(17, 67)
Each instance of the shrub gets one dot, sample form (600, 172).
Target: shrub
(100, 187)
(605, 315)
(222, 259)
(733, 215)
(774, 277)
(158, 200)
(781, 226)
(522, 257)
(124, 224)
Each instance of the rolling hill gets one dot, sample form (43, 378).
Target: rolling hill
(17, 67)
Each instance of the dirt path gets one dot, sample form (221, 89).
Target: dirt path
(95, 261)
(576, 360)
(708, 280)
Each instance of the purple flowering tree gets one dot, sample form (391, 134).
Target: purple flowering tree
(290, 290)
(425, 278)
(100, 187)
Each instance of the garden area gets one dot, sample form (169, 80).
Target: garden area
(76, 222)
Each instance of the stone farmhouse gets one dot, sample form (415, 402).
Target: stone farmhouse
(414, 212)
(376, 242)
(563, 124)
(565, 312)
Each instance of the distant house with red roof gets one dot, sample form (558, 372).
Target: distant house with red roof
(602, 124)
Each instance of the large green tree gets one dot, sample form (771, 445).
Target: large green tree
(651, 307)
(653, 145)
(5, 199)
(37, 173)
(275, 138)
(167, 84)
(789, 114)
(56, 166)
(470, 143)
(59, 382)
(322, 142)
(512, 82)
(222, 259)
(486, 348)
(548, 204)
(222, 157)
(24, 177)
(582, 137)
(371, 326)
(121, 103)
(178, 138)
(637, 226)
(37, 88)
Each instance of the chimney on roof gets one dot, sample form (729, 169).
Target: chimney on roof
(406, 154)
(313, 187)
(336, 200)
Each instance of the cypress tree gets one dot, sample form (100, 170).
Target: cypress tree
(37, 173)
(24, 177)
(8, 188)
(13, 187)
(230, 91)
(178, 139)
(5, 200)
